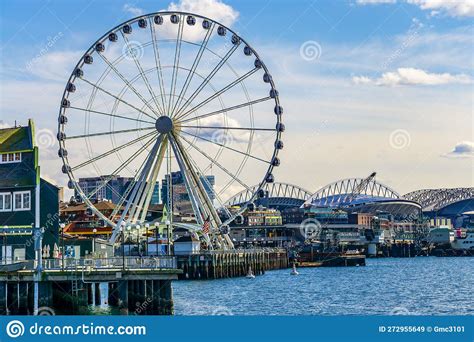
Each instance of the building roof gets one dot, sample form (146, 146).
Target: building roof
(81, 228)
(17, 138)
(78, 207)
(186, 238)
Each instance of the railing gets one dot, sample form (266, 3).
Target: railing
(245, 250)
(161, 262)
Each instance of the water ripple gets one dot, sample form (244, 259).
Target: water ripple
(415, 286)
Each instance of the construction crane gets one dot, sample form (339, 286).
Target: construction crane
(358, 189)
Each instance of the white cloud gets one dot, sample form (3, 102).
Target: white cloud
(54, 66)
(412, 76)
(214, 9)
(4, 124)
(136, 11)
(361, 80)
(462, 149)
(454, 8)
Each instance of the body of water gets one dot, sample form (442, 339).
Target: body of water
(409, 286)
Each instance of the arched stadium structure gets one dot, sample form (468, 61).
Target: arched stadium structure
(445, 202)
(364, 196)
(279, 196)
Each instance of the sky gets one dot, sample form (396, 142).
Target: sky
(366, 85)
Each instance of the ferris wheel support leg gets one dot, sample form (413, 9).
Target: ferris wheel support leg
(150, 184)
(144, 182)
(194, 198)
(204, 195)
(195, 202)
(136, 188)
(200, 188)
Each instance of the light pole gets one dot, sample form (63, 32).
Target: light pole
(129, 228)
(157, 225)
(147, 226)
(138, 238)
(93, 242)
(122, 232)
(168, 228)
(4, 255)
(62, 225)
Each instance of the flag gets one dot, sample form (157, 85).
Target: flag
(206, 225)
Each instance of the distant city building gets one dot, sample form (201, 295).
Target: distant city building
(26, 200)
(181, 200)
(263, 217)
(110, 188)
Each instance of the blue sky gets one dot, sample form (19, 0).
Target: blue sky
(389, 89)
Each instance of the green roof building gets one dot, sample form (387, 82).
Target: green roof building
(26, 200)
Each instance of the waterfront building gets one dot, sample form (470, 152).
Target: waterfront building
(363, 219)
(292, 215)
(441, 235)
(186, 245)
(326, 215)
(263, 217)
(27, 201)
(81, 221)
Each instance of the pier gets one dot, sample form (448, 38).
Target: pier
(132, 285)
(232, 263)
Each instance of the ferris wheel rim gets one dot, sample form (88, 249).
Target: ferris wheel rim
(80, 63)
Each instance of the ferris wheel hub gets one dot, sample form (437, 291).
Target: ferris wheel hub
(164, 124)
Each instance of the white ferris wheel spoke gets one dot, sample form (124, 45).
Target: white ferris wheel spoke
(117, 98)
(226, 147)
(128, 84)
(215, 162)
(114, 150)
(206, 80)
(109, 133)
(144, 78)
(111, 115)
(217, 94)
(159, 69)
(123, 166)
(228, 109)
(191, 72)
(177, 54)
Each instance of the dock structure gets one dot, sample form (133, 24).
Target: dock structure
(231, 263)
(132, 286)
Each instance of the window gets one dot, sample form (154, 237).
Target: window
(5, 201)
(10, 158)
(22, 200)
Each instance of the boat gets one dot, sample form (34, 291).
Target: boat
(294, 271)
(250, 274)
(465, 241)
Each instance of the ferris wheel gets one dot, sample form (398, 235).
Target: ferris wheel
(167, 93)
